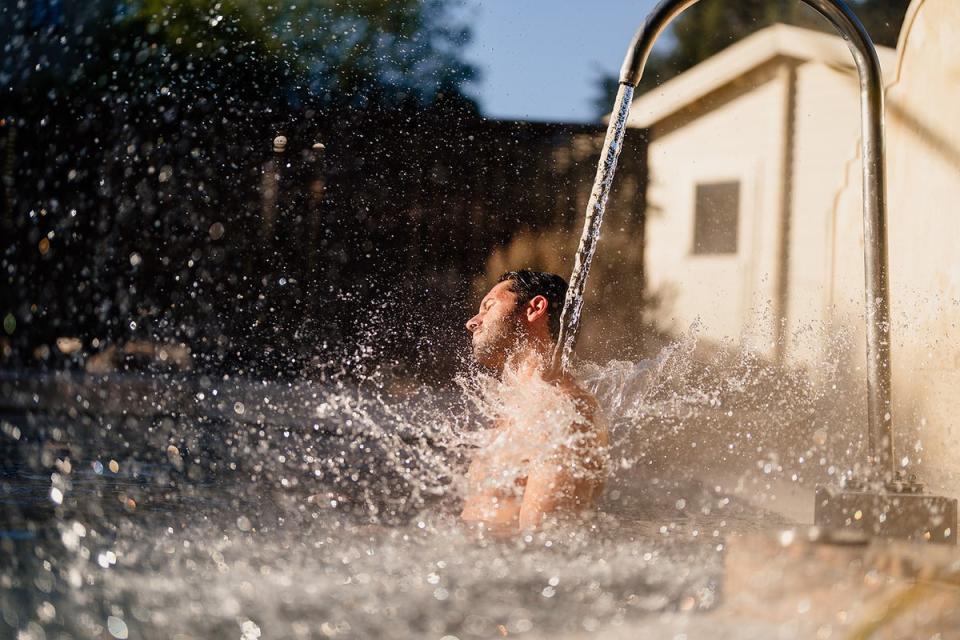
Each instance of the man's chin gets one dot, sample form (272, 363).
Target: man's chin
(486, 360)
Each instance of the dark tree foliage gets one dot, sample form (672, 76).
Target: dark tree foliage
(713, 25)
(280, 187)
(144, 198)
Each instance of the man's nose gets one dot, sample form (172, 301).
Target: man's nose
(473, 324)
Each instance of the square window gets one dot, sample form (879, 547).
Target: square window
(716, 217)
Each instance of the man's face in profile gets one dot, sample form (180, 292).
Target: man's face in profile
(496, 327)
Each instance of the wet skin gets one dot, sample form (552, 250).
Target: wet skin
(514, 485)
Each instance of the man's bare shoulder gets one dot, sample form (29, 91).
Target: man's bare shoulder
(585, 402)
(593, 423)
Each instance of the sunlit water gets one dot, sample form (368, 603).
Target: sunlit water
(232, 509)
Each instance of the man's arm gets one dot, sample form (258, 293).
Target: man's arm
(548, 489)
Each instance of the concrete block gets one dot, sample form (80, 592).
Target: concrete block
(907, 516)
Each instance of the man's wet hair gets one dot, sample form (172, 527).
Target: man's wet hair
(528, 284)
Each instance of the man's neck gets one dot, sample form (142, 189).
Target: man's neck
(528, 361)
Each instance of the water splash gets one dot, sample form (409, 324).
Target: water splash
(334, 505)
(539, 424)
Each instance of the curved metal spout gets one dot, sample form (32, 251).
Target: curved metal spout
(879, 410)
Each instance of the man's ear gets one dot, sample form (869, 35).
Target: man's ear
(536, 308)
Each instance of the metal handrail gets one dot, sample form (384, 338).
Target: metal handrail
(879, 409)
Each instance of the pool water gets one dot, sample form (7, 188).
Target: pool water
(194, 508)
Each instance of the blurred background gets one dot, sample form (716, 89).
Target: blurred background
(285, 187)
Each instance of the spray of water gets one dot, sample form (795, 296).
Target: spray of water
(539, 425)
(334, 505)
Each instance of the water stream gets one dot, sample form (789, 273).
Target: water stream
(572, 306)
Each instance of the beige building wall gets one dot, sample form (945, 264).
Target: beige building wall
(923, 162)
(734, 134)
(744, 139)
(826, 127)
(778, 111)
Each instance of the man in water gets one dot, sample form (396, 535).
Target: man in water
(547, 450)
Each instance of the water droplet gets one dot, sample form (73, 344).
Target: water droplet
(46, 612)
(117, 627)
(106, 558)
(249, 630)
